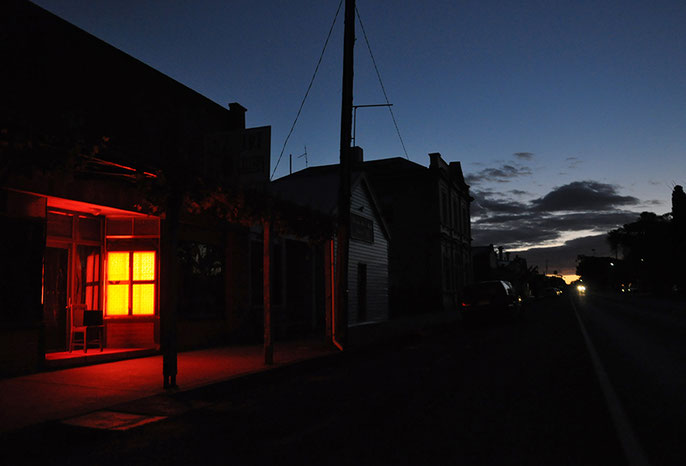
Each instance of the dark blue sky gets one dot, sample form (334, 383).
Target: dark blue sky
(590, 94)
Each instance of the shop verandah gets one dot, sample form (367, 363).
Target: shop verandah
(99, 282)
(93, 259)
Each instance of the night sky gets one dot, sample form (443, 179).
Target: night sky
(569, 117)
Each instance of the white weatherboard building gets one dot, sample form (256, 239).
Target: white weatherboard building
(368, 280)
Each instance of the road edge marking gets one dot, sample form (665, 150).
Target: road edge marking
(633, 451)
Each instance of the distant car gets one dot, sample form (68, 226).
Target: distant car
(551, 291)
(496, 298)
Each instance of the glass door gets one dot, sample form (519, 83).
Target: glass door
(56, 298)
(71, 274)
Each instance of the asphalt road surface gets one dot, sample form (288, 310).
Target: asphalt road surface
(500, 393)
(641, 341)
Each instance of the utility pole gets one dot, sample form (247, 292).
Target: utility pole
(343, 235)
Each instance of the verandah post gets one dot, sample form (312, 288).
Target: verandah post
(266, 269)
(168, 294)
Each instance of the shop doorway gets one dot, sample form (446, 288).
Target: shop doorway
(55, 298)
(71, 275)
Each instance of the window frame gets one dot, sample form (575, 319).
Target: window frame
(131, 283)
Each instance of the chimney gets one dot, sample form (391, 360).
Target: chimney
(437, 162)
(434, 158)
(356, 156)
(237, 115)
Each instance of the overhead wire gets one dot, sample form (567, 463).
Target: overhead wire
(308, 89)
(378, 74)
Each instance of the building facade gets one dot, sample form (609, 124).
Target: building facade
(428, 214)
(94, 145)
(368, 271)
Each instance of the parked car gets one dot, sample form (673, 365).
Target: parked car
(496, 298)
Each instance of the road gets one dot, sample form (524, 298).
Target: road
(641, 342)
(499, 393)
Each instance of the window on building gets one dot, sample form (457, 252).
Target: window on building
(447, 269)
(131, 282)
(444, 207)
(456, 271)
(465, 221)
(88, 276)
(456, 214)
(202, 287)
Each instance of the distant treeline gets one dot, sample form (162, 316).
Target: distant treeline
(648, 254)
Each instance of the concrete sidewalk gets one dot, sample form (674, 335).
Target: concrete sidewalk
(61, 394)
(67, 393)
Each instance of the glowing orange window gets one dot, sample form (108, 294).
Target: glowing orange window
(131, 283)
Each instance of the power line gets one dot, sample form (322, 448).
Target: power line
(378, 74)
(308, 89)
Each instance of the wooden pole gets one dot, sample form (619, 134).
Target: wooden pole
(343, 234)
(169, 294)
(266, 268)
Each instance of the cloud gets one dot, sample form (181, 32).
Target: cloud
(528, 229)
(563, 258)
(583, 196)
(518, 192)
(574, 162)
(502, 174)
(581, 206)
(516, 235)
(524, 155)
(484, 202)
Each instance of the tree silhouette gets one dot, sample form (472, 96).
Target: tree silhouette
(647, 246)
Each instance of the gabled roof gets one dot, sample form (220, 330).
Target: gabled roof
(391, 165)
(317, 188)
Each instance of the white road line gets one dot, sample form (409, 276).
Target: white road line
(632, 448)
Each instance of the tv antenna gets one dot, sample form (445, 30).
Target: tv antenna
(290, 160)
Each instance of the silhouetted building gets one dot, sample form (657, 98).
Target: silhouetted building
(485, 263)
(92, 140)
(428, 215)
(427, 211)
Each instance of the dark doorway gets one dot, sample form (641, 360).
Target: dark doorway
(361, 292)
(55, 286)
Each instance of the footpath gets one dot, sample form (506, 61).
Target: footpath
(69, 393)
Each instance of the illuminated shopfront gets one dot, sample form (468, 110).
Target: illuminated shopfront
(100, 259)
